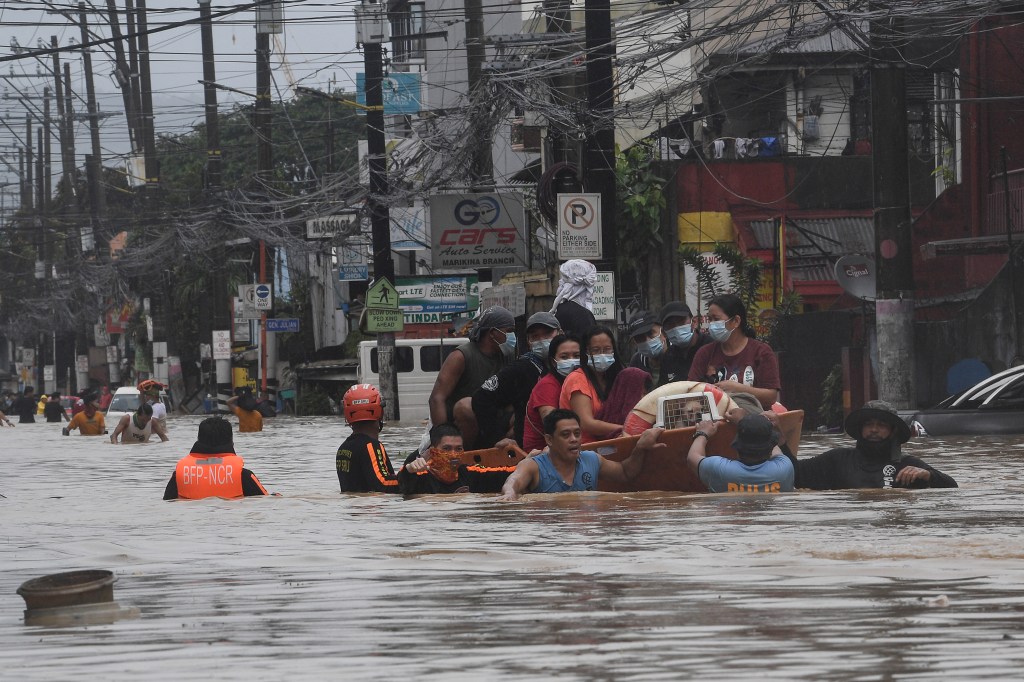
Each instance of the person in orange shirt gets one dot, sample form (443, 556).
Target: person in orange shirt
(212, 469)
(89, 422)
(249, 420)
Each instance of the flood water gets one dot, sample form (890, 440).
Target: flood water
(317, 585)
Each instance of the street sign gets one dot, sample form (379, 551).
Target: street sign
(263, 299)
(49, 371)
(579, 226)
(382, 294)
(604, 296)
(82, 363)
(283, 324)
(245, 311)
(344, 223)
(353, 261)
(222, 344)
(384, 320)
(469, 231)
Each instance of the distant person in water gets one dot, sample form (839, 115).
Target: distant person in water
(90, 421)
(565, 468)
(25, 406)
(138, 427)
(53, 410)
(876, 461)
(212, 469)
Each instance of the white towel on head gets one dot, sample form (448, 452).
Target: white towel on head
(579, 277)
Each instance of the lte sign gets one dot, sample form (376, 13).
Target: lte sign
(579, 226)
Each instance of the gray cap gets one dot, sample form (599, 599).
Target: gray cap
(546, 319)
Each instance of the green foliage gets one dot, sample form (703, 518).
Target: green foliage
(830, 412)
(301, 128)
(640, 201)
(313, 402)
(744, 272)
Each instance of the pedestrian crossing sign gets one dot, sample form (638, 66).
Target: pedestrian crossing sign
(382, 294)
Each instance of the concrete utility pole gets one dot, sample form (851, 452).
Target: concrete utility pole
(894, 304)
(599, 171)
(372, 31)
(93, 161)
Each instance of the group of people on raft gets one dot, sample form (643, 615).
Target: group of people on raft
(572, 388)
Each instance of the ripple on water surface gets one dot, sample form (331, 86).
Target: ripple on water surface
(838, 585)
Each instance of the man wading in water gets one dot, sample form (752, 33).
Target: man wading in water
(565, 468)
(876, 461)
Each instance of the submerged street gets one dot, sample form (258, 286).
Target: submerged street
(313, 584)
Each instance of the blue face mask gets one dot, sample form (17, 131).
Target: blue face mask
(508, 346)
(565, 367)
(651, 348)
(541, 347)
(601, 363)
(680, 336)
(718, 332)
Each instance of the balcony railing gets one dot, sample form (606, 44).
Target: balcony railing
(996, 223)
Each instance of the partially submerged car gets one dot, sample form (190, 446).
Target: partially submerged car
(993, 406)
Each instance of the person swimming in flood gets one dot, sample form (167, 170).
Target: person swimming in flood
(212, 468)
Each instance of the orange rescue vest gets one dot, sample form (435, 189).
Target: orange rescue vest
(200, 476)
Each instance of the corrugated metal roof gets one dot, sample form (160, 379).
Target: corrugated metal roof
(836, 40)
(814, 244)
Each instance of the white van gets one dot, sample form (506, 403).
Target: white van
(417, 362)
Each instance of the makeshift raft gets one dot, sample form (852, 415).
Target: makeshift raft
(664, 469)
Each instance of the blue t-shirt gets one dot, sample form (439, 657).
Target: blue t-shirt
(585, 478)
(722, 475)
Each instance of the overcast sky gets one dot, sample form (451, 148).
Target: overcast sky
(318, 42)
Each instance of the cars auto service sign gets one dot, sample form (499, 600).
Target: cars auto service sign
(471, 231)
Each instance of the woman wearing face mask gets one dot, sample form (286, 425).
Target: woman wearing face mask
(562, 359)
(586, 389)
(735, 360)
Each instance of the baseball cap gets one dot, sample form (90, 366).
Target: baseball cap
(674, 309)
(546, 319)
(642, 323)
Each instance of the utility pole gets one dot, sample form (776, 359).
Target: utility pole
(62, 117)
(213, 158)
(123, 75)
(30, 191)
(894, 303)
(47, 166)
(599, 173)
(482, 168)
(265, 25)
(93, 161)
(146, 84)
(372, 30)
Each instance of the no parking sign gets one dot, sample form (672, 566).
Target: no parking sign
(579, 226)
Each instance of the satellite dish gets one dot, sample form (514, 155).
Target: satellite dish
(856, 275)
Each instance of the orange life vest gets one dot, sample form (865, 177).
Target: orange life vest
(200, 476)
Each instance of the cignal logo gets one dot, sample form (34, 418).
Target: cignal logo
(485, 210)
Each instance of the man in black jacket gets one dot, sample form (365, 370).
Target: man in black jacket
(875, 462)
(505, 394)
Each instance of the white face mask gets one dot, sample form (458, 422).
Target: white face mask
(718, 331)
(601, 363)
(565, 367)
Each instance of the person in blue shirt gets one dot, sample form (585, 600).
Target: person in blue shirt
(564, 468)
(761, 467)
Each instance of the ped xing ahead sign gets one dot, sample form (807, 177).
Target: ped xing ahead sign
(470, 231)
(579, 226)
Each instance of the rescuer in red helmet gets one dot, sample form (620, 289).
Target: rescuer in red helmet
(363, 463)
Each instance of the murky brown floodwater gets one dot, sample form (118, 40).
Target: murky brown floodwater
(316, 585)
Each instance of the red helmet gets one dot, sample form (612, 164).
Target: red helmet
(150, 386)
(362, 403)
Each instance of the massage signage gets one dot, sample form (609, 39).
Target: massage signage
(470, 231)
